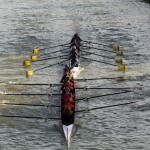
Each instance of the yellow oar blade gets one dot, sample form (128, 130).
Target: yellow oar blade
(118, 60)
(121, 67)
(119, 53)
(29, 73)
(26, 63)
(35, 50)
(116, 47)
(33, 57)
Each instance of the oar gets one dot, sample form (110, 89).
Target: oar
(99, 61)
(104, 88)
(102, 107)
(99, 49)
(89, 42)
(55, 46)
(93, 53)
(35, 84)
(59, 45)
(30, 94)
(30, 72)
(103, 78)
(118, 53)
(48, 58)
(91, 97)
(27, 63)
(29, 117)
(32, 105)
(114, 47)
(120, 67)
(53, 52)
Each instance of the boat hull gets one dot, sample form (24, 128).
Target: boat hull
(68, 130)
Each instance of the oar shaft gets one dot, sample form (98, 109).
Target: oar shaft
(91, 97)
(99, 49)
(61, 56)
(36, 84)
(29, 94)
(109, 106)
(99, 61)
(97, 54)
(53, 52)
(49, 65)
(28, 117)
(32, 105)
(96, 43)
(86, 79)
(86, 88)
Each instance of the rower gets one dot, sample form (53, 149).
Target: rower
(67, 72)
(69, 85)
(67, 114)
(77, 38)
(67, 90)
(68, 101)
(73, 50)
(74, 59)
(66, 96)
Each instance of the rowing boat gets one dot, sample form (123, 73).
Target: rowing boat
(69, 125)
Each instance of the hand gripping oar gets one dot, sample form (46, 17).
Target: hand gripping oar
(102, 107)
(32, 105)
(29, 117)
(91, 97)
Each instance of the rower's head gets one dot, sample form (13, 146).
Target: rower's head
(67, 111)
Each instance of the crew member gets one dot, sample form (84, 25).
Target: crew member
(66, 96)
(67, 113)
(68, 101)
(68, 109)
(77, 38)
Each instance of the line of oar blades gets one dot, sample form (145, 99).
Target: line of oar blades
(87, 98)
(28, 63)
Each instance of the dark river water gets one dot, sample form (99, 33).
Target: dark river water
(31, 23)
